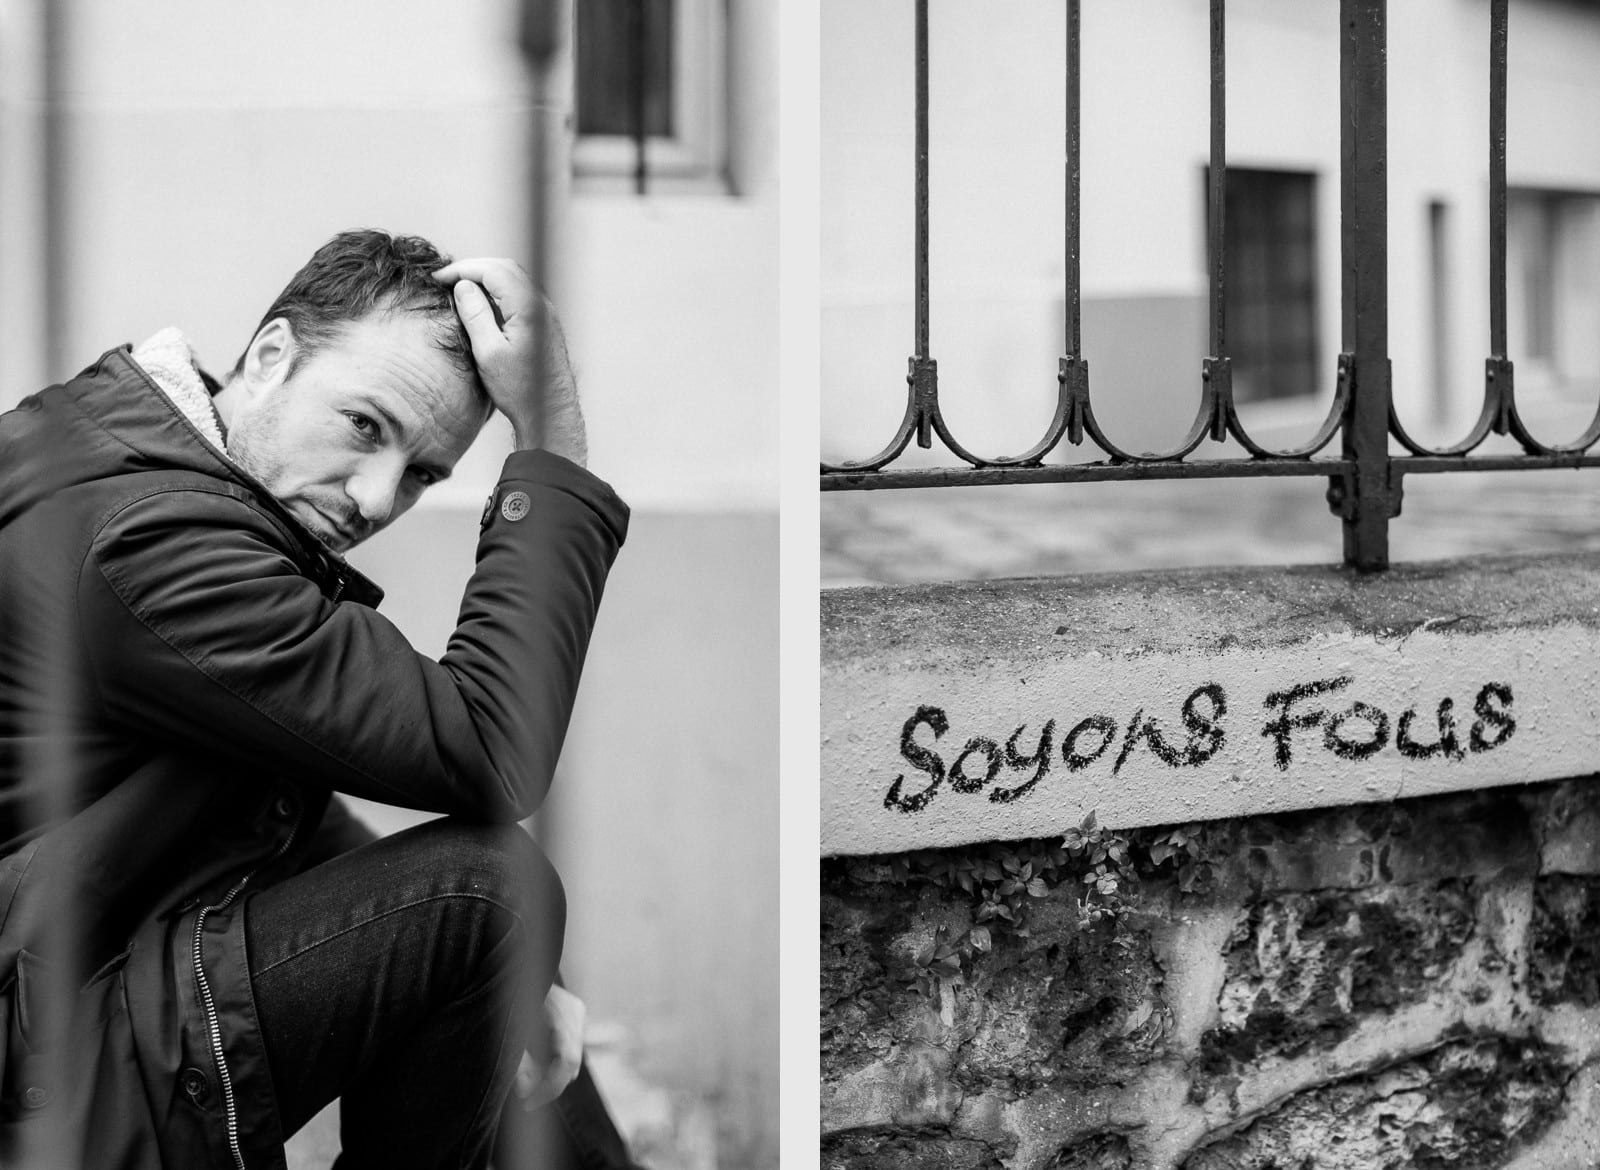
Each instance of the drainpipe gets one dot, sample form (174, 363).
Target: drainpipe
(55, 145)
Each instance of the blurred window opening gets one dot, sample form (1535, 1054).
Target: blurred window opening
(625, 67)
(1552, 254)
(660, 62)
(1271, 295)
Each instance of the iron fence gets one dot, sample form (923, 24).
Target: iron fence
(1365, 479)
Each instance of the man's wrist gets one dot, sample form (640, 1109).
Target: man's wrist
(561, 433)
(570, 447)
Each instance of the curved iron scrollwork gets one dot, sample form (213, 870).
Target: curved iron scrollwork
(1499, 416)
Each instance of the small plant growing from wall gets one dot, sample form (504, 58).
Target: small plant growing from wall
(1100, 869)
(1183, 849)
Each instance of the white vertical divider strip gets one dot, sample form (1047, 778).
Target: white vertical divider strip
(799, 418)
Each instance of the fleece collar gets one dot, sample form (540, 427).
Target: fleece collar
(169, 360)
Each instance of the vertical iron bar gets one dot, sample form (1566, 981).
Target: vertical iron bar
(922, 180)
(1363, 172)
(1497, 177)
(1439, 305)
(1218, 176)
(922, 375)
(1074, 296)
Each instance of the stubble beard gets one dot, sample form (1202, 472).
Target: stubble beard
(256, 446)
(253, 445)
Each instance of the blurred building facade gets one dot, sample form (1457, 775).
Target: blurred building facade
(998, 188)
(173, 163)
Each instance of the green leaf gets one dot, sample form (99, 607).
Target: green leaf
(981, 939)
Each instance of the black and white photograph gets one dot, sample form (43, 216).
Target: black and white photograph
(1208, 551)
(388, 585)
(444, 724)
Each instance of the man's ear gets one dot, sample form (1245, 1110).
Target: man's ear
(269, 355)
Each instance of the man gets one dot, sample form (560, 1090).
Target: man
(199, 947)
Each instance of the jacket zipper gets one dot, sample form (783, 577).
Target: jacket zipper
(208, 1004)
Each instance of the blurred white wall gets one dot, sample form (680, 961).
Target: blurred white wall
(997, 176)
(211, 148)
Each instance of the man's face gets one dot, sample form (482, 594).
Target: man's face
(349, 441)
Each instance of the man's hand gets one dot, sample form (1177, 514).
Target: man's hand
(503, 313)
(536, 1086)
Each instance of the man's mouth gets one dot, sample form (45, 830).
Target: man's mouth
(333, 534)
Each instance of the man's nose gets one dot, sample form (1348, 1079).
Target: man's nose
(373, 489)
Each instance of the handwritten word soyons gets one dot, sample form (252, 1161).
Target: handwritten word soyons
(1293, 718)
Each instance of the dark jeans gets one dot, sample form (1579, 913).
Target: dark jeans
(405, 977)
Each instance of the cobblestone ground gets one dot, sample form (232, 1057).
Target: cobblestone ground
(896, 537)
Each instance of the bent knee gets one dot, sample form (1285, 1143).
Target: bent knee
(503, 864)
(499, 874)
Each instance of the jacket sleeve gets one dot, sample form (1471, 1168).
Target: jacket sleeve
(203, 632)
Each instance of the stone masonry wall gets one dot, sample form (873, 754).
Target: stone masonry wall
(1410, 983)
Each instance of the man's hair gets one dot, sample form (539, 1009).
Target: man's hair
(360, 272)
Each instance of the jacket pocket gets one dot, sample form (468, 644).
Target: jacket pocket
(46, 1030)
(22, 1081)
(8, 996)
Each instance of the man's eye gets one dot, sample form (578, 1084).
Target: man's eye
(424, 477)
(364, 425)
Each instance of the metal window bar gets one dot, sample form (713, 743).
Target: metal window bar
(1365, 481)
(639, 59)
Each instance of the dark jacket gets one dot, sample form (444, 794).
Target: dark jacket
(186, 673)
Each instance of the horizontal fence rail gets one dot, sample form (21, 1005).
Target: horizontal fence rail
(1365, 480)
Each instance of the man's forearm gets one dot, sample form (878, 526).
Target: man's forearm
(333, 691)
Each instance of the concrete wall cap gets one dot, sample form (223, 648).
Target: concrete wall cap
(1000, 710)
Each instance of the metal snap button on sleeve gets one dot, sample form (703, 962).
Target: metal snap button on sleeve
(515, 506)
